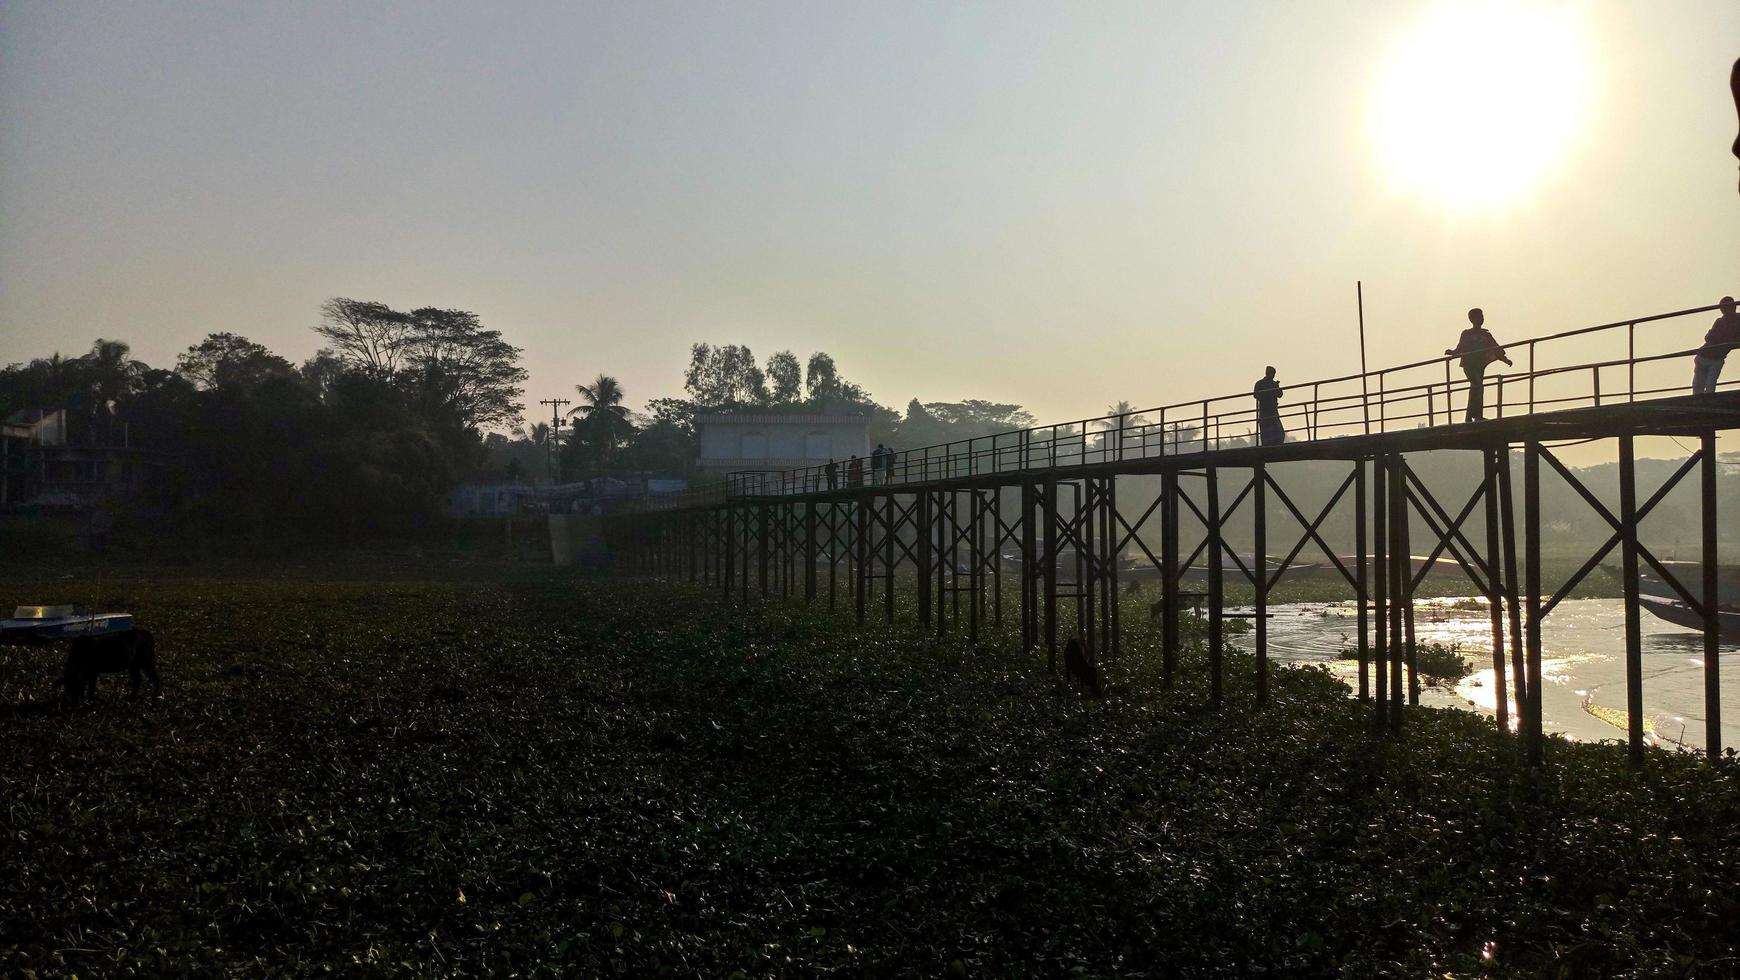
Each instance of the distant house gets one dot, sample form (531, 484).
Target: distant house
(39, 470)
(487, 499)
(504, 498)
(753, 440)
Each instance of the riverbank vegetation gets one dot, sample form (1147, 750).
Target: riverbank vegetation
(521, 774)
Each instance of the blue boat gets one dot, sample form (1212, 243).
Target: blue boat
(48, 624)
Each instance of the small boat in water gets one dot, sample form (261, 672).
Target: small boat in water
(1680, 614)
(47, 624)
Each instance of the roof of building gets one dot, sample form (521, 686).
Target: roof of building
(764, 418)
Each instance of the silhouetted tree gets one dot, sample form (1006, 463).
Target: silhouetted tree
(369, 336)
(784, 378)
(601, 420)
(227, 359)
(727, 375)
(459, 368)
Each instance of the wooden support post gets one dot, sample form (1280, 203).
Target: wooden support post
(728, 551)
(1361, 578)
(763, 552)
(1628, 573)
(1712, 638)
(1215, 598)
(945, 527)
(1087, 563)
(1519, 683)
(889, 559)
(1168, 575)
(1260, 571)
(1532, 737)
(692, 548)
(997, 555)
(975, 561)
(1406, 596)
(1380, 513)
(809, 551)
(833, 553)
(1029, 566)
(1114, 639)
(1495, 591)
(923, 535)
(860, 555)
(1400, 569)
(1049, 569)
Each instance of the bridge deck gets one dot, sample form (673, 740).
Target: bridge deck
(1684, 416)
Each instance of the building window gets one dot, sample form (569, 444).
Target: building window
(754, 445)
(818, 445)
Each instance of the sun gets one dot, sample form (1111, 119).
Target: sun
(1481, 102)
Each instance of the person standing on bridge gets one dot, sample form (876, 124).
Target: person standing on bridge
(833, 473)
(1477, 348)
(855, 472)
(1723, 337)
(1267, 392)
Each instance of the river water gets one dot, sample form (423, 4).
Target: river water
(1582, 663)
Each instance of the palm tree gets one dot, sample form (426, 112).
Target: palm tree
(1129, 420)
(1123, 408)
(602, 419)
(537, 435)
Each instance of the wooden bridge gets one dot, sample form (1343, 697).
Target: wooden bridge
(1041, 505)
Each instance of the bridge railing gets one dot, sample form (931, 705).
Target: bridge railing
(1634, 360)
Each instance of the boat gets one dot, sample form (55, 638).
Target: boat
(1690, 574)
(48, 624)
(1680, 614)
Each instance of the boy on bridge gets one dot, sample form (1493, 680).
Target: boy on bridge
(1478, 348)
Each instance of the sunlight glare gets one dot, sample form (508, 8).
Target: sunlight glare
(1481, 101)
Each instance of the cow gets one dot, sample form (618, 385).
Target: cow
(134, 651)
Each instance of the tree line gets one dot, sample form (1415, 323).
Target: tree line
(371, 432)
(367, 435)
(604, 437)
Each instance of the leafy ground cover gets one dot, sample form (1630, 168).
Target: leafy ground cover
(520, 774)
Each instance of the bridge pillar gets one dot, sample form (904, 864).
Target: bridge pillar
(763, 551)
(1260, 573)
(889, 558)
(1400, 570)
(1215, 598)
(1048, 562)
(809, 552)
(860, 555)
(1712, 636)
(1532, 740)
(1628, 573)
(1495, 590)
(1169, 574)
(923, 534)
(1519, 684)
(1361, 577)
(1029, 566)
(1380, 598)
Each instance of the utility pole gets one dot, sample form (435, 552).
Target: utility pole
(555, 439)
(1364, 391)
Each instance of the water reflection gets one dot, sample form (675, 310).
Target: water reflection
(1583, 666)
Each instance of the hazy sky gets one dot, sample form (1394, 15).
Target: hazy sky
(1059, 205)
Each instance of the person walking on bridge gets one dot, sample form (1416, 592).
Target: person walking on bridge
(1267, 392)
(833, 473)
(1477, 348)
(1723, 337)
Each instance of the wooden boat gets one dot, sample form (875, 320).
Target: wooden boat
(47, 624)
(1680, 614)
(1691, 575)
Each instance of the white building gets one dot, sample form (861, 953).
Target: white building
(750, 441)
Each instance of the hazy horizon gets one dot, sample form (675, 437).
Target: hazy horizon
(1059, 208)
